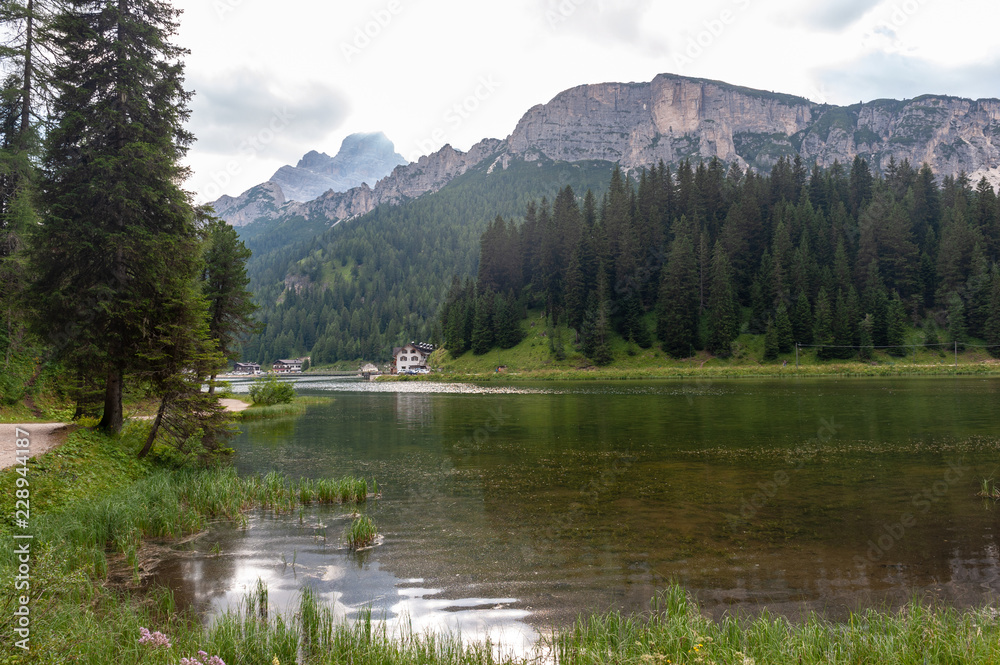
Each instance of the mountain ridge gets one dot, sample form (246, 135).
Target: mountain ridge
(673, 118)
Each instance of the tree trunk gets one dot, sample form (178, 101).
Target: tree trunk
(112, 419)
(156, 426)
(211, 385)
(26, 99)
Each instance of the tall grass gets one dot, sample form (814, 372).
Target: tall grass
(171, 504)
(107, 630)
(676, 631)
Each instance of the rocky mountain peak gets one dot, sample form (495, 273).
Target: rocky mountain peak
(362, 158)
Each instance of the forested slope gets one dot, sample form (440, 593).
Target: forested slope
(359, 288)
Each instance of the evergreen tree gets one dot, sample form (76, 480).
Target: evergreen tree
(770, 341)
(956, 322)
(802, 320)
(596, 333)
(931, 338)
(896, 328)
(783, 330)
(506, 322)
(576, 292)
(977, 293)
(723, 309)
(224, 285)
(677, 320)
(482, 327)
(183, 353)
(876, 302)
(823, 325)
(843, 337)
(119, 227)
(991, 332)
(867, 351)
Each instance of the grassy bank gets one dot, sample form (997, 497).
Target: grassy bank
(95, 513)
(96, 509)
(297, 407)
(535, 359)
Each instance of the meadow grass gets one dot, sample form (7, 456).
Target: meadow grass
(533, 360)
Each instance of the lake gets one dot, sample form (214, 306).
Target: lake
(509, 510)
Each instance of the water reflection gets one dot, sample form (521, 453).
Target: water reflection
(218, 570)
(414, 410)
(512, 509)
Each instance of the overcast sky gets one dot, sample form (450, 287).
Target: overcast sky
(275, 80)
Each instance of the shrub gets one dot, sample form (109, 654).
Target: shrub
(268, 390)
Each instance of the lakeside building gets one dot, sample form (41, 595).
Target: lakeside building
(288, 366)
(410, 358)
(247, 368)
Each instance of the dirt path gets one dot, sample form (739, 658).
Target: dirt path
(234, 405)
(46, 436)
(42, 436)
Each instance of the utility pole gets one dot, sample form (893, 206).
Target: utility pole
(956, 354)
(796, 355)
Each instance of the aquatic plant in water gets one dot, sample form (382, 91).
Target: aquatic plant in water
(989, 489)
(361, 532)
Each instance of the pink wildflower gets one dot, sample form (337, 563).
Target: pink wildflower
(202, 659)
(154, 639)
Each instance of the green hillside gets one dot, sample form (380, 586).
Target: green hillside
(364, 286)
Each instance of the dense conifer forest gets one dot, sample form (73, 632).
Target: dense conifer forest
(365, 285)
(841, 259)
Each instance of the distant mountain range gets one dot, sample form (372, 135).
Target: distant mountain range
(363, 158)
(671, 118)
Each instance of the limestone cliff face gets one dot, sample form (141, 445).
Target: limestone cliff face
(671, 118)
(674, 118)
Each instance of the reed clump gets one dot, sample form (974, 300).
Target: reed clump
(989, 489)
(172, 504)
(361, 532)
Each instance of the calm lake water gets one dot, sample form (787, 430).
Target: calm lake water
(509, 510)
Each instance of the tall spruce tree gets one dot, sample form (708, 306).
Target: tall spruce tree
(723, 309)
(677, 321)
(957, 332)
(224, 285)
(783, 329)
(119, 230)
(896, 328)
(482, 327)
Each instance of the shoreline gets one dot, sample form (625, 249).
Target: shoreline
(712, 372)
